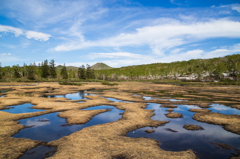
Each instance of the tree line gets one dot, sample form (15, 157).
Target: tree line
(44, 70)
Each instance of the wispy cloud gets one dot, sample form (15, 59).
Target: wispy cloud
(115, 55)
(16, 31)
(165, 36)
(5, 54)
(29, 34)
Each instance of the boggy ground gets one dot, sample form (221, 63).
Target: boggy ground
(106, 140)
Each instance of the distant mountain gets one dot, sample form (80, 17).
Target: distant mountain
(69, 68)
(100, 66)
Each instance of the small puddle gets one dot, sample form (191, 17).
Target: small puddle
(182, 139)
(76, 96)
(51, 127)
(5, 90)
(23, 108)
(39, 152)
(71, 96)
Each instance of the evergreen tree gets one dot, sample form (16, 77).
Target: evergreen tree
(45, 69)
(31, 72)
(64, 72)
(93, 74)
(79, 72)
(1, 74)
(88, 72)
(16, 71)
(82, 72)
(52, 69)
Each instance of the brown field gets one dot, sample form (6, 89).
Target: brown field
(109, 140)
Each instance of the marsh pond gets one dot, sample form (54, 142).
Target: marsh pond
(135, 120)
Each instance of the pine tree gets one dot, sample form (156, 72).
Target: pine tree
(45, 69)
(52, 69)
(31, 72)
(88, 72)
(82, 72)
(64, 72)
(79, 72)
(1, 74)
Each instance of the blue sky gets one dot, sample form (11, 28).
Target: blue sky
(117, 32)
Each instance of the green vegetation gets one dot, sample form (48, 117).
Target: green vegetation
(198, 69)
(197, 72)
(69, 83)
(109, 84)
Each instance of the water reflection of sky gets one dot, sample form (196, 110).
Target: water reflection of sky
(23, 108)
(48, 127)
(198, 141)
(38, 152)
(219, 108)
(71, 96)
(118, 100)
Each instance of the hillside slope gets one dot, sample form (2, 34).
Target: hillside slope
(215, 68)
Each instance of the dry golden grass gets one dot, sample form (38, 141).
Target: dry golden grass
(192, 127)
(230, 122)
(200, 110)
(174, 115)
(109, 140)
(76, 116)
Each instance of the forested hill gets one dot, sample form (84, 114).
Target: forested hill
(217, 68)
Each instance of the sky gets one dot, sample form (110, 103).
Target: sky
(117, 32)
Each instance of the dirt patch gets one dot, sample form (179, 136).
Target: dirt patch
(192, 127)
(230, 122)
(174, 115)
(149, 131)
(168, 106)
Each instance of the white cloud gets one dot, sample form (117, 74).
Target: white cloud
(165, 36)
(115, 55)
(37, 35)
(236, 7)
(16, 31)
(29, 34)
(5, 54)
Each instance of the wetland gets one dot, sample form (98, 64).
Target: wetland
(130, 120)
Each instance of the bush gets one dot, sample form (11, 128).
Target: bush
(109, 84)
